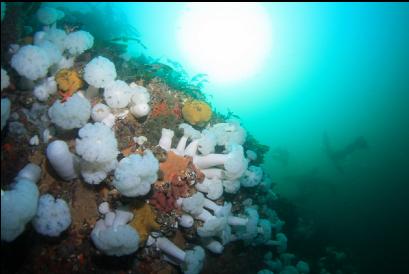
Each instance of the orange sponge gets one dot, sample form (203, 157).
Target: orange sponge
(68, 81)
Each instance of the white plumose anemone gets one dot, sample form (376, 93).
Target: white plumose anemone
(74, 113)
(135, 174)
(31, 62)
(100, 72)
(79, 41)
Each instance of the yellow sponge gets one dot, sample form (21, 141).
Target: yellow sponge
(196, 112)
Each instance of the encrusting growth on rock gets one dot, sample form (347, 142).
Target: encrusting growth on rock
(144, 220)
(180, 172)
(179, 176)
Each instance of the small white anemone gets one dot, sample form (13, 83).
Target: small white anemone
(100, 112)
(74, 113)
(48, 15)
(45, 89)
(117, 94)
(31, 62)
(252, 177)
(100, 72)
(52, 217)
(5, 79)
(53, 52)
(96, 143)
(135, 174)
(139, 100)
(112, 235)
(77, 42)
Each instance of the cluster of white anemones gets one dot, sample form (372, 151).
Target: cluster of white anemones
(96, 152)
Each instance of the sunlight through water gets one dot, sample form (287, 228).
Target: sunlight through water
(228, 41)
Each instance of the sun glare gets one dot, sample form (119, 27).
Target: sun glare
(228, 41)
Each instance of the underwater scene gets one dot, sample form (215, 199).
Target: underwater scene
(204, 138)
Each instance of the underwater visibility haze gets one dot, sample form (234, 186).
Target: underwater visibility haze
(204, 137)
